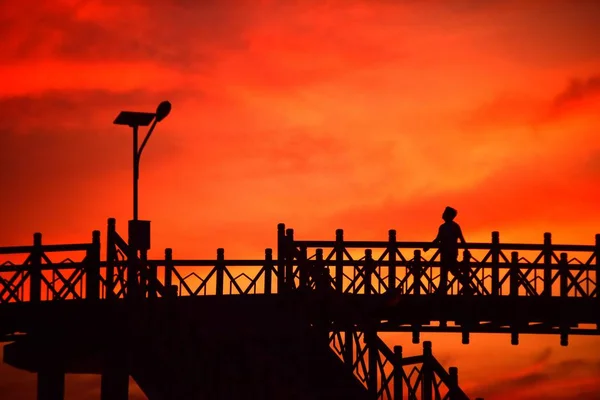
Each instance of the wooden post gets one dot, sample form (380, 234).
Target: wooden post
(370, 340)
(465, 274)
(369, 267)
(339, 260)
(303, 267)
(111, 255)
(268, 269)
(290, 254)
(397, 374)
(133, 285)
(426, 372)
(416, 273)
(495, 263)
(320, 274)
(547, 291)
(416, 333)
(35, 280)
(564, 275)
(281, 246)
(392, 259)
(349, 349)
(92, 268)
(564, 293)
(514, 289)
(465, 333)
(114, 380)
(220, 270)
(597, 253)
(168, 267)
(50, 384)
(145, 274)
(514, 338)
(153, 283)
(514, 274)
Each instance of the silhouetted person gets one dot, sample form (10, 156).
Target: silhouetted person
(448, 236)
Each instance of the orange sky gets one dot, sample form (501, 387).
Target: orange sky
(362, 115)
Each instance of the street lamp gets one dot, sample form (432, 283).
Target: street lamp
(139, 231)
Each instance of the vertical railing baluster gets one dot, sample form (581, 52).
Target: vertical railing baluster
(339, 260)
(133, 286)
(514, 291)
(268, 268)
(152, 283)
(111, 255)
(290, 254)
(398, 374)
(303, 267)
(416, 272)
(220, 271)
(392, 259)
(547, 291)
(170, 289)
(368, 268)
(92, 268)
(495, 263)
(371, 342)
(597, 280)
(35, 268)
(467, 278)
(349, 349)
(320, 274)
(427, 372)
(281, 253)
(514, 274)
(144, 272)
(563, 270)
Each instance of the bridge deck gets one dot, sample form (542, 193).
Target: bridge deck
(474, 313)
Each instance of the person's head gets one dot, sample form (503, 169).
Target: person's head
(449, 214)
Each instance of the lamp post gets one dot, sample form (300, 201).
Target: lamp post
(139, 231)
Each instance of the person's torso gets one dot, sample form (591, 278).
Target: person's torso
(449, 233)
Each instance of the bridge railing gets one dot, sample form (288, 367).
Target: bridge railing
(40, 278)
(500, 269)
(351, 267)
(386, 374)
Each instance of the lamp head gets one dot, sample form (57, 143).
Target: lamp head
(163, 110)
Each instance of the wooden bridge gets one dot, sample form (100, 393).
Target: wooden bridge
(161, 320)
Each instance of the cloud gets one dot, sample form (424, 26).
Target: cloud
(514, 110)
(542, 34)
(545, 377)
(578, 89)
(112, 30)
(322, 115)
(70, 138)
(590, 393)
(543, 356)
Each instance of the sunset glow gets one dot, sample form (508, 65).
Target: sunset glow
(365, 115)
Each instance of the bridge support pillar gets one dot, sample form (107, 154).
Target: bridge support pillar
(114, 385)
(50, 384)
